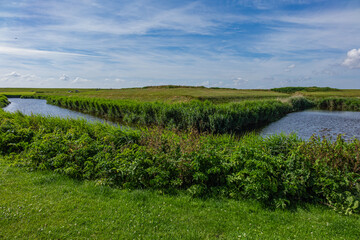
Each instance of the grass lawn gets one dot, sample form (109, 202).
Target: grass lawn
(43, 205)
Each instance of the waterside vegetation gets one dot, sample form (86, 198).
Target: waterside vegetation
(48, 205)
(3, 101)
(278, 172)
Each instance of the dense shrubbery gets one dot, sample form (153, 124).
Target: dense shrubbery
(340, 104)
(279, 171)
(305, 89)
(3, 101)
(198, 115)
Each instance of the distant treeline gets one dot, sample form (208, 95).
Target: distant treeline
(202, 116)
(279, 171)
(305, 89)
(3, 101)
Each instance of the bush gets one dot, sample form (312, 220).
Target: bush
(279, 171)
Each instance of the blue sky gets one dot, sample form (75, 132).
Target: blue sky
(135, 43)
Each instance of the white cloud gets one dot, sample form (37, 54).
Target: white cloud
(33, 52)
(17, 78)
(353, 59)
(289, 68)
(80, 80)
(64, 77)
(119, 80)
(239, 81)
(13, 74)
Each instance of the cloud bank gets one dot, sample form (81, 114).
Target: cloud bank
(353, 59)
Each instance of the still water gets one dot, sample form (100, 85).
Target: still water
(39, 106)
(318, 122)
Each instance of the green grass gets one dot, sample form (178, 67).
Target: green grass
(178, 94)
(3, 101)
(46, 205)
(202, 116)
(150, 94)
(280, 171)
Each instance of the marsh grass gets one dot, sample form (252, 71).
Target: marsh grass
(3, 101)
(202, 116)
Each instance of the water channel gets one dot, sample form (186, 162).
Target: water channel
(305, 124)
(319, 122)
(39, 106)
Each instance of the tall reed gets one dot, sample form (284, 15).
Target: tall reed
(3, 101)
(203, 116)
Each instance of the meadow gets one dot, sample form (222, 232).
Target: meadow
(176, 94)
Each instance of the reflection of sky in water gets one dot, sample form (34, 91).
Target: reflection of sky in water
(320, 123)
(39, 106)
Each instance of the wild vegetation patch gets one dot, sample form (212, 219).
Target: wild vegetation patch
(3, 101)
(339, 104)
(305, 89)
(279, 171)
(203, 116)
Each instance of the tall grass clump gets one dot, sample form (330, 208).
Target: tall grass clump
(300, 103)
(279, 171)
(3, 101)
(291, 90)
(202, 116)
(339, 104)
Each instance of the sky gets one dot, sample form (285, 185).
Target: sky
(244, 44)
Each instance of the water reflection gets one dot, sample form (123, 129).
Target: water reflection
(318, 122)
(39, 106)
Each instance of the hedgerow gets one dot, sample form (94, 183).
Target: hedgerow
(279, 171)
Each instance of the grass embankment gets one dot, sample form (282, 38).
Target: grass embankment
(279, 172)
(198, 115)
(47, 205)
(339, 104)
(3, 101)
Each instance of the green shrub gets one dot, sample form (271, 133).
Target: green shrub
(278, 171)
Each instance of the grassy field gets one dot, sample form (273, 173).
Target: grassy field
(178, 94)
(175, 94)
(46, 205)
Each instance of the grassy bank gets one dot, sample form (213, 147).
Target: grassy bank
(3, 101)
(279, 172)
(339, 104)
(197, 115)
(47, 205)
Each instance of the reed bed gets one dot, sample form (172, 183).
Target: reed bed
(203, 116)
(339, 104)
(3, 101)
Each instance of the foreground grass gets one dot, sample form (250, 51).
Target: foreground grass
(43, 205)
